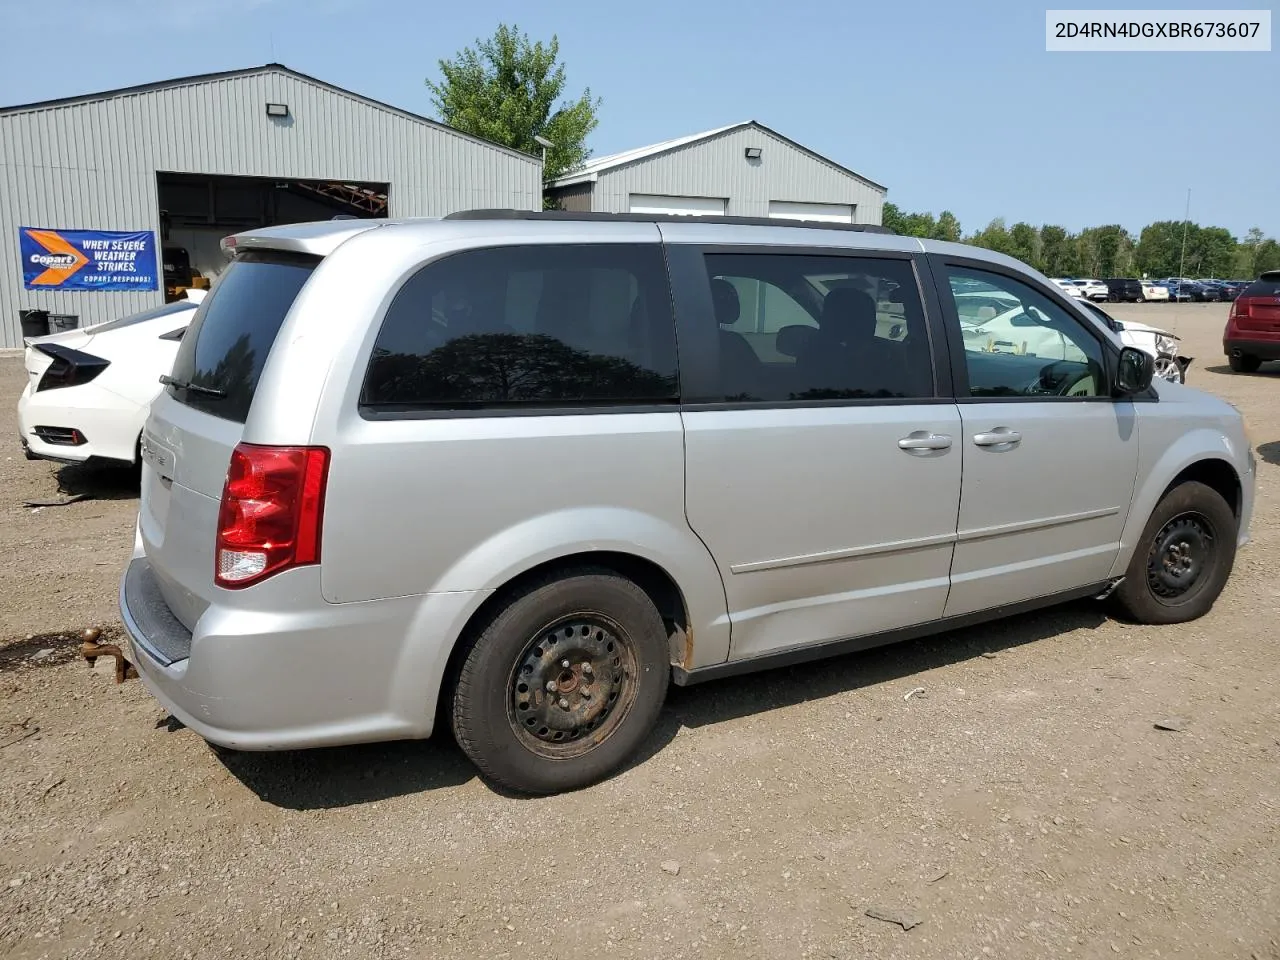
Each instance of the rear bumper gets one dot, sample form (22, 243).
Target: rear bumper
(277, 676)
(1263, 349)
(109, 424)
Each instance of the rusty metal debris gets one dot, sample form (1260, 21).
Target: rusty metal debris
(906, 919)
(41, 504)
(91, 650)
(30, 733)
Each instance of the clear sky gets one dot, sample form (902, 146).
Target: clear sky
(952, 105)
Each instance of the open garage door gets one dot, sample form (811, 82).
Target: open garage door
(681, 206)
(819, 212)
(198, 210)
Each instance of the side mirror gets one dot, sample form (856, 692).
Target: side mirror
(1135, 371)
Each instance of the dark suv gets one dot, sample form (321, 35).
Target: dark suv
(1253, 325)
(1120, 290)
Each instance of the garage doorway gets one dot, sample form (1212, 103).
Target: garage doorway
(679, 206)
(198, 210)
(814, 212)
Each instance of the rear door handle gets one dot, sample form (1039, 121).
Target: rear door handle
(925, 441)
(999, 437)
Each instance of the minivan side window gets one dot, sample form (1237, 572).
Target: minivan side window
(1019, 343)
(548, 325)
(800, 327)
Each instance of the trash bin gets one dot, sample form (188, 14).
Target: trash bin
(63, 321)
(35, 323)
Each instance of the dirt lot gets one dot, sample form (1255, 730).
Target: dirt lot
(1024, 806)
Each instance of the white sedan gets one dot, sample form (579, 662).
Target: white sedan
(1154, 291)
(88, 390)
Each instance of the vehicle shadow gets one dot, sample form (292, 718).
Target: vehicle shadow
(1270, 452)
(348, 776)
(1266, 370)
(92, 481)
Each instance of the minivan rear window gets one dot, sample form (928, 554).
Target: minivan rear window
(226, 346)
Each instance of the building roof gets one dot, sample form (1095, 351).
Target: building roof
(591, 171)
(254, 71)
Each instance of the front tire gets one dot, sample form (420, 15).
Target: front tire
(1244, 363)
(1183, 559)
(563, 684)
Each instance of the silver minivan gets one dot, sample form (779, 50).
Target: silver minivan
(522, 470)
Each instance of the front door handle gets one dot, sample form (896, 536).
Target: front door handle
(999, 437)
(920, 440)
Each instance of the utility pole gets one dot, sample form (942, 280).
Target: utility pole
(1186, 220)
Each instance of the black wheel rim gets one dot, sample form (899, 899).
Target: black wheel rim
(1181, 556)
(572, 686)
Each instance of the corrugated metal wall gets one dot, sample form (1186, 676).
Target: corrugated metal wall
(719, 168)
(93, 165)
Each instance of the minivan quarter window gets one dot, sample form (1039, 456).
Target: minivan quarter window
(799, 327)
(547, 326)
(1020, 343)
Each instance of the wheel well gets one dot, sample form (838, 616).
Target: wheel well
(1217, 474)
(647, 575)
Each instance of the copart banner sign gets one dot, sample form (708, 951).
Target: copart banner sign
(88, 259)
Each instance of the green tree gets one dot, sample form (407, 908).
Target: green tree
(1056, 251)
(948, 227)
(994, 236)
(1024, 244)
(508, 90)
(1160, 248)
(1266, 257)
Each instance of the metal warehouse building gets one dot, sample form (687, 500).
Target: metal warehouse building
(744, 170)
(109, 199)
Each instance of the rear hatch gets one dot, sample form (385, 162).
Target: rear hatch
(199, 417)
(1257, 309)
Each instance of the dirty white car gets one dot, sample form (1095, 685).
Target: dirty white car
(88, 390)
(1161, 344)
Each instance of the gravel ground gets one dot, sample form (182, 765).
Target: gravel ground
(1024, 806)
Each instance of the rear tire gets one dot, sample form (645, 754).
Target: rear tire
(533, 724)
(1245, 363)
(1183, 559)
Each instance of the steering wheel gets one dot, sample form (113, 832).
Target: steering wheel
(1059, 378)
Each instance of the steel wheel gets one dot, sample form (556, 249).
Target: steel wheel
(572, 686)
(1180, 555)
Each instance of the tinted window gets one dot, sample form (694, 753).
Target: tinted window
(226, 346)
(1267, 285)
(1020, 343)
(549, 325)
(169, 308)
(796, 327)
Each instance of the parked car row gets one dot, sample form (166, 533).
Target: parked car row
(1170, 289)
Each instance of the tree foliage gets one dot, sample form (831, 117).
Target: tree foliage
(508, 90)
(1108, 250)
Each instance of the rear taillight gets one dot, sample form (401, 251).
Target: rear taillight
(70, 368)
(272, 507)
(1239, 309)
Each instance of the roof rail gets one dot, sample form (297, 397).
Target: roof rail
(571, 215)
